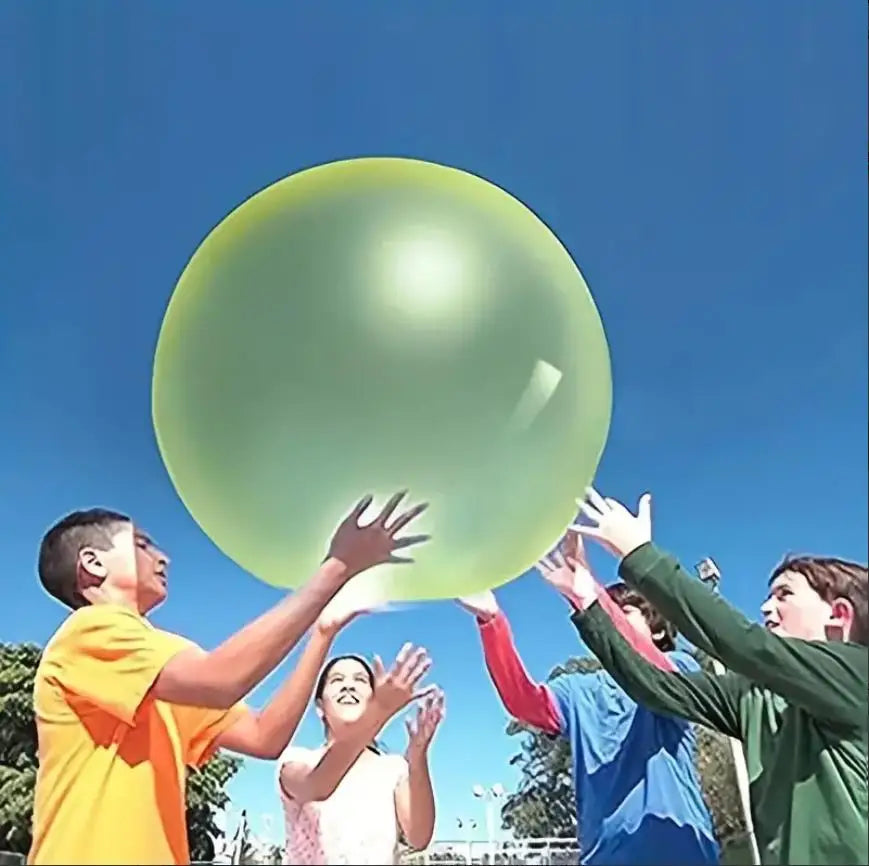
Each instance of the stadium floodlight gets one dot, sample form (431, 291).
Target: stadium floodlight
(708, 572)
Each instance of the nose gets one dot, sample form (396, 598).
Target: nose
(768, 607)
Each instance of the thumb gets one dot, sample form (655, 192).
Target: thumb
(644, 510)
(378, 667)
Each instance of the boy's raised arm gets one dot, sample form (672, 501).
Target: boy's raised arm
(826, 679)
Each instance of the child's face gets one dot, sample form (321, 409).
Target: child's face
(639, 623)
(346, 693)
(794, 609)
(133, 568)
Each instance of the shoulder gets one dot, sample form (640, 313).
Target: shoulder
(96, 619)
(86, 626)
(298, 755)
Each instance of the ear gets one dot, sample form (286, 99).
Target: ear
(841, 619)
(90, 569)
(90, 561)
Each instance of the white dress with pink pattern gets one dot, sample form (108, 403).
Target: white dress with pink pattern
(356, 825)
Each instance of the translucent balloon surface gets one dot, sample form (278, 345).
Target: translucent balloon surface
(373, 325)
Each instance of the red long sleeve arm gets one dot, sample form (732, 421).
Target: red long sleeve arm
(527, 701)
(531, 702)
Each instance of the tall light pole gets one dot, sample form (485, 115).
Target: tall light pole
(490, 797)
(709, 573)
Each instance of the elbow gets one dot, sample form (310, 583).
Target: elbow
(419, 840)
(218, 696)
(266, 752)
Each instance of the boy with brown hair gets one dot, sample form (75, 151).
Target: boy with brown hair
(796, 692)
(122, 708)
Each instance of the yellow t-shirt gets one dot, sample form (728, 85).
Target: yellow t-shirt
(111, 781)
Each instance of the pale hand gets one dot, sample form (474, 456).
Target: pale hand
(421, 730)
(396, 688)
(557, 569)
(613, 526)
(482, 605)
(361, 547)
(342, 610)
(567, 570)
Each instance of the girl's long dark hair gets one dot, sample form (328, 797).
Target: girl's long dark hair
(375, 747)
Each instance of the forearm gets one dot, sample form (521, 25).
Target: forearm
(527, 701)
(823, 678)
(340, 755)
(421, 804)
(279, 719)
(695, 697)
(638, 642)
(228, 673)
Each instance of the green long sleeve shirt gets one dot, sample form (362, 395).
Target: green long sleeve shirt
(801, 709)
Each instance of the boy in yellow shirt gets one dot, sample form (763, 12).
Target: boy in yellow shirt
(122, 708)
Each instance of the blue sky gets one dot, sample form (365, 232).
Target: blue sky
(704, 163)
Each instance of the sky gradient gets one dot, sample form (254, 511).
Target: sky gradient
(705, 164)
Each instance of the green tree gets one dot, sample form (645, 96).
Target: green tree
(17, 744)
(206, 789)
(206, 796)
(544, 802)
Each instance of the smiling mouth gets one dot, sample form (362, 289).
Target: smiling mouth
(348, 700)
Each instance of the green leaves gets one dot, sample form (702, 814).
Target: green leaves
(18, 757)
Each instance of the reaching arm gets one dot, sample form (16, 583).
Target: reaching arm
(265, 734)
(415, 805)
(534, 703)
(826, 679)
(527, 701)
(698, 697)
(305, 784)
(222, 677)
(414, 795)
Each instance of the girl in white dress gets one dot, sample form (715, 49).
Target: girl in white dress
(346, 802)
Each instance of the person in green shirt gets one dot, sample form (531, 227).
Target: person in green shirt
(796, 692)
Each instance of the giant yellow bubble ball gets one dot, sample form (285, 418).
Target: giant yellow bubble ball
(372, 325)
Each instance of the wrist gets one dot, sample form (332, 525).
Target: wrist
(416, 757)
(631, 547)
(581, 598)
(323, 635)
(335, 572)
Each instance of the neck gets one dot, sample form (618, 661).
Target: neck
(108, 595)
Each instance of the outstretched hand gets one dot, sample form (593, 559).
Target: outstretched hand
(557, 568)
(362, 547)
(482, 605)
(395, 688)
(567, 570)
(421, 730)
(613, 525)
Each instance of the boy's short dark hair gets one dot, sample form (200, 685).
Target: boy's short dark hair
(665, 632)
(61, 545)
(833, 578)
